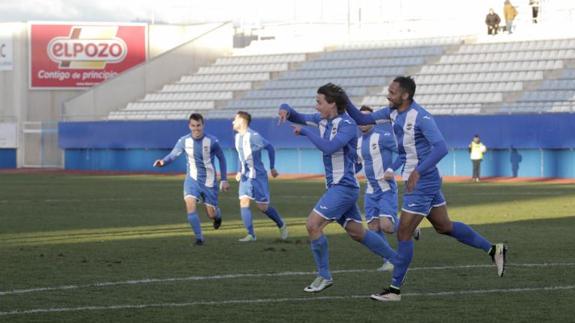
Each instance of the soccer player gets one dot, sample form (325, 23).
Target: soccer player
(421, 146)
(375, 149)
(200, 183)
(253, 177)
(337, 140)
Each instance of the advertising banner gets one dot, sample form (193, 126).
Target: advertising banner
(81, 55)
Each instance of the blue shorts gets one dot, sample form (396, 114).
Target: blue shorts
(207, 195)
(256, 189)
(425, 196)
(383, 204)
(338, 203)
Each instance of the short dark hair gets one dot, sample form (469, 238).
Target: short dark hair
(244, 115)
(407, 84)
(366, 108)
(197, 117)
(334, 93)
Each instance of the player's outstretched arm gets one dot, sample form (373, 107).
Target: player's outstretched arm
(328, 147)
(287, 113)
(175, 153)
(355, 114)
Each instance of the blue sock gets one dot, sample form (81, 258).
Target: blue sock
(404, 255)
(194, 221)
(320, 253)
(247, 218)
(275, 216)
(218, 213)
(377, 245)
(382, 235)
(465, 234)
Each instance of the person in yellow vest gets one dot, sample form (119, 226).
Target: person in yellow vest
(509, 12)
(476, 151)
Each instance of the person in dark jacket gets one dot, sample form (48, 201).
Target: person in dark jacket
(492, 21)
(534, 10)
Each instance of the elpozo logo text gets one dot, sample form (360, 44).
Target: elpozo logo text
(87, 47)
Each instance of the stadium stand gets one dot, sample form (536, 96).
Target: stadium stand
(454, 76)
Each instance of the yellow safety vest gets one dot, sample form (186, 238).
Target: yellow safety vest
(477, 150)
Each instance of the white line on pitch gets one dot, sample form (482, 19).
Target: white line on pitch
(277, 300)
(232, 276)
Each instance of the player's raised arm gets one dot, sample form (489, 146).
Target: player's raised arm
(286, 112)
(355, 114)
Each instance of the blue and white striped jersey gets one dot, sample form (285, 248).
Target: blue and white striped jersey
(200, 158)
(375, 151)
(249, 147)
(342, 131)
(416, 134)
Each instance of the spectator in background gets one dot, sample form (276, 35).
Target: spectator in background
(509, 13)
(476, 151)
(492, 21)
(515, 158)
(534, 10)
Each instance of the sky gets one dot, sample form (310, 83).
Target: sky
(246, 12)
(239, 11)
(167, 11)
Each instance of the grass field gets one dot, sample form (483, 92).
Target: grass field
(81, 248)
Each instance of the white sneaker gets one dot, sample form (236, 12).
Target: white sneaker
(387, 266)
(247, 238)
(387, 295)
(284, 232)
(318, 285)
(417, 233)
(499, 258)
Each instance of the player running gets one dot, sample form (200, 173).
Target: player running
(375, 149)
(421, 146)
(337, 140)
(253, 177)
(200, 183)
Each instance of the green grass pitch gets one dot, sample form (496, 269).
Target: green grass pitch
(87, 248)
